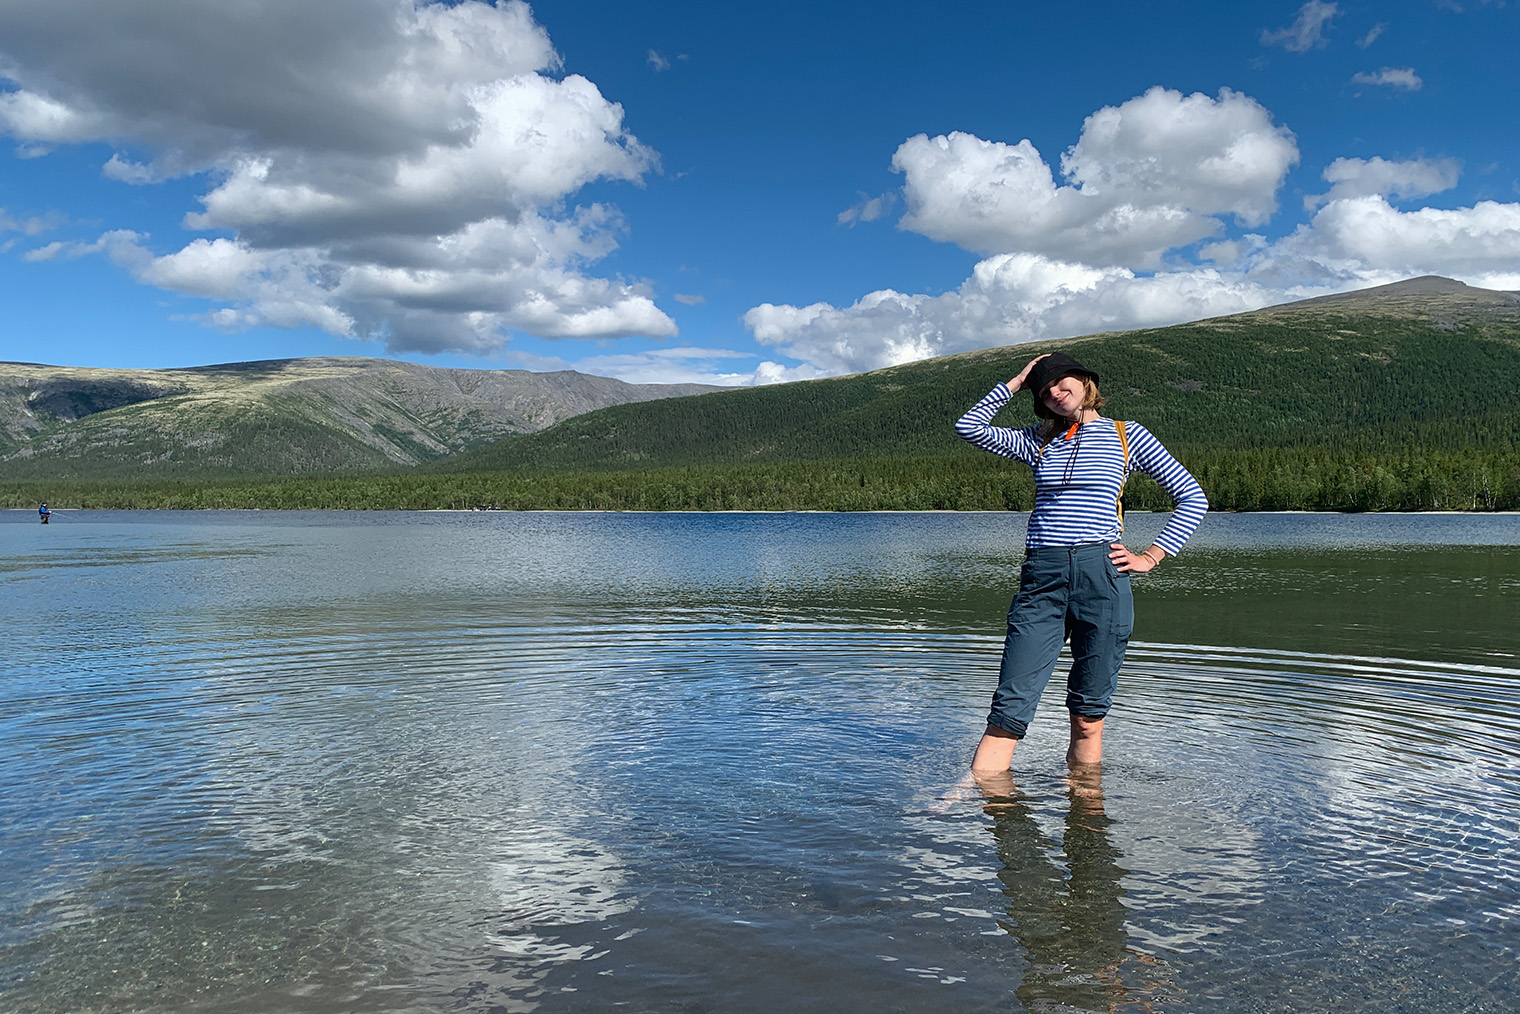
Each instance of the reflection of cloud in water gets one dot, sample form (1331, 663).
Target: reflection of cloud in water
(951, 878)
(1392, 762)
(547, 878)
(373, 758)
(1190, 874)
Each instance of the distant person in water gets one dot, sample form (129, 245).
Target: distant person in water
(1075, 582)
(44, 513)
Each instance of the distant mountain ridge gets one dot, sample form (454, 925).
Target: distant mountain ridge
(1427, 295)
(1390, 376)
(1427, 359)
(279, 417)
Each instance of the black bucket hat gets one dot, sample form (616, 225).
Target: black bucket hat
(1049, 370)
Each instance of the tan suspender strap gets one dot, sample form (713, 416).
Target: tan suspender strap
(1124, 475)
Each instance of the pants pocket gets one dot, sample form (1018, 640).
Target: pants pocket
(1123, 603)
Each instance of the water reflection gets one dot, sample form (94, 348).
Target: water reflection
(1064, 902)
(343, 764)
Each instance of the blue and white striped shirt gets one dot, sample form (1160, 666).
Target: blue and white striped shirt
(1077, 481)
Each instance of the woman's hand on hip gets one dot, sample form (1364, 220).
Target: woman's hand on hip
(1017, 383)
(1135, 563)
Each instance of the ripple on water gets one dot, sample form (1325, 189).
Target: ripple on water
(500, 812)
(1395, 768)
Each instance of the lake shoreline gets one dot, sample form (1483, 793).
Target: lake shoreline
(736, 510)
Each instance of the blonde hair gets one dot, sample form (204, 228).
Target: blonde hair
(1054, 423)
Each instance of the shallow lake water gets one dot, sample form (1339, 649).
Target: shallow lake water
(322, 762)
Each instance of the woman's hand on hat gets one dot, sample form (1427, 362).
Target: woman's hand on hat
(1017, 383)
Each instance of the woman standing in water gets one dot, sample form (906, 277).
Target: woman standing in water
(1075, 579)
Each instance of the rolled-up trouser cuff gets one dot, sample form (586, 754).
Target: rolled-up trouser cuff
(1012, 726)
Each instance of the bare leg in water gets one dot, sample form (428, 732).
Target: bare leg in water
(994, 754)
(1086, 745)
(995, 751)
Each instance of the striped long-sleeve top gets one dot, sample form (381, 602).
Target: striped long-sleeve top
(1077, 478)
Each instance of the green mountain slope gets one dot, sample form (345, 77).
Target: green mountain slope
(280, 417)
(1427, 363)
(1396, 398)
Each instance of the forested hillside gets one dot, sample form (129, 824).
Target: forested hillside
(1397, 398)
(1399, 385)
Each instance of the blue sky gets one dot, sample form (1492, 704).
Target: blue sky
(727, 194)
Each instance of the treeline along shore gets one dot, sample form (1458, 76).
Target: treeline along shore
(1309, 479)
(1401, 398)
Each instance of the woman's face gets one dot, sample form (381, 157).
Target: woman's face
(1064, 397)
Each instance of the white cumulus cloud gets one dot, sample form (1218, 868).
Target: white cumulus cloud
(1231, 251)
(1366, 235)
(1147, 176)
(1358, 177)
(1009, 298)
(37, 118)
(1114, 248)
(375, 168)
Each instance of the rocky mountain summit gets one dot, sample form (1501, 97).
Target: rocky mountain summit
(280, 417)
